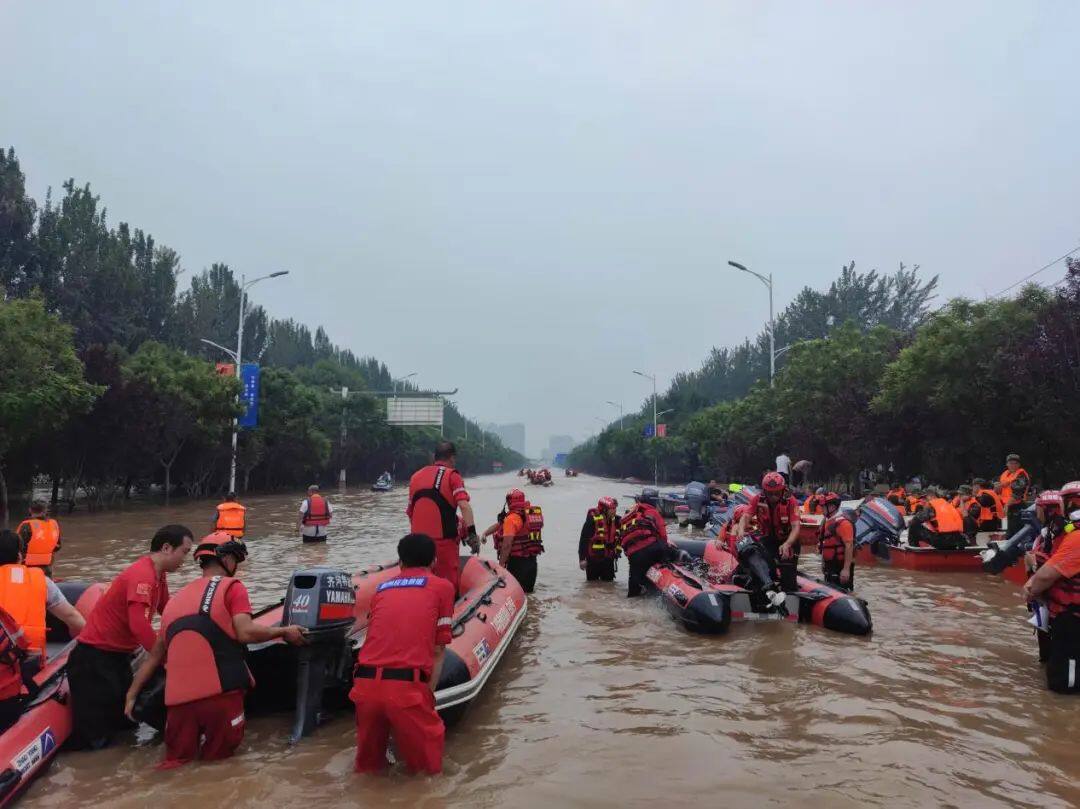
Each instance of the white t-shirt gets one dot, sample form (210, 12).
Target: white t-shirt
(313, 530)
(783, 464)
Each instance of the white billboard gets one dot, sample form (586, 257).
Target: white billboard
(407, 411)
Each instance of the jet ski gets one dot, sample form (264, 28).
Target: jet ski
(712, 588)
(29, 746)
(314, 681)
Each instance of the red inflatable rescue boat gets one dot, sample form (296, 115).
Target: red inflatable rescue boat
(29, 746)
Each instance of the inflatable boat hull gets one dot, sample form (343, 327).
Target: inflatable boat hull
(486, 618)
(925, 559)
(29, 746)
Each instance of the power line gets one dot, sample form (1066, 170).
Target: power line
(1041, 269)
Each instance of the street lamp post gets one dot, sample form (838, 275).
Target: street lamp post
(237, 358)
(772, 323)
(402, 379)
(656, 464)
(616, 404)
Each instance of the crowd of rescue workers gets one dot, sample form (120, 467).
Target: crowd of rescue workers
(206, 625)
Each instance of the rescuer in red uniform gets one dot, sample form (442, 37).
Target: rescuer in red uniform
(398, 667)
(777, 514)
(203, 632)
(644, 539)
(99, 669)
(598, 546)
(436, 492)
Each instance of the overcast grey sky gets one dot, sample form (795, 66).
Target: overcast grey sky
(528, 200)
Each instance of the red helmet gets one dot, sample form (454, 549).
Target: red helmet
(607, 504)
(1070, 489)
(1050, 499)
(832, 499)
(515, 498)
(219, 544)
(773, 482)
(738, 513)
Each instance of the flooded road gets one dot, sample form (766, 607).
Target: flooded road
(603, 701)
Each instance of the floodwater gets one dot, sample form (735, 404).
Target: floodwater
(604, 701)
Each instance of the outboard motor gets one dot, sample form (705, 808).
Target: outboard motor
(697, 500)
(880, 524)
(753, 559)
(1000, 555)
(323, 601)
(650, 495)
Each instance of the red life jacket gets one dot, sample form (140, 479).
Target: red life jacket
(432, 483)
(14, 648)
(604, 543)
(775, 521)
(203, 658)
(640, 528)
(318, 512)
(528, 542)
(831, 546)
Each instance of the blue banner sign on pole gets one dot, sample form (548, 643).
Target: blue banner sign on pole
(648, 431)
(249, 395)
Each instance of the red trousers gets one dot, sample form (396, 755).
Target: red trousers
(207, 729)
(405, 709)
(447, 563)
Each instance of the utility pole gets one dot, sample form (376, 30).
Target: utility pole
(656, 461)
(768, 282)
(344, 434)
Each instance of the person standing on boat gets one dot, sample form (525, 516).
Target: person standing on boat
(598, 547)
(398, 667)
(436, 493)
(800, 472)
(777, 513)
(991, 509)
(40, 537)
(1013, 486)
(837, 543)
(644, 539)
(783, 466)
(99, 669)
(203, 631)
(231, 517)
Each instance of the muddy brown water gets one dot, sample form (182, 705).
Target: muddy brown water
(604, 701)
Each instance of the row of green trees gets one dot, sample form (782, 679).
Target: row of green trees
(945, 394)
(107, 389)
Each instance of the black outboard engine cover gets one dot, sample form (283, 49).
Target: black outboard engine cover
(1003, 554)
(879, 522)
(755, 562)
(323, 600)
(697, 499)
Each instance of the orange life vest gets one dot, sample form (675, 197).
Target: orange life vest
(986, 513)
(604, 543)
(232, 518)
(44, 537)
(203, 658)
(1007, 479)
(13, 650)
(946, 519)
(318, 512)
(831, 546)
(814, 504)
(23, 593)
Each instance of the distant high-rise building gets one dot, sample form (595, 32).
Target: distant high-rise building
(512, 435)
